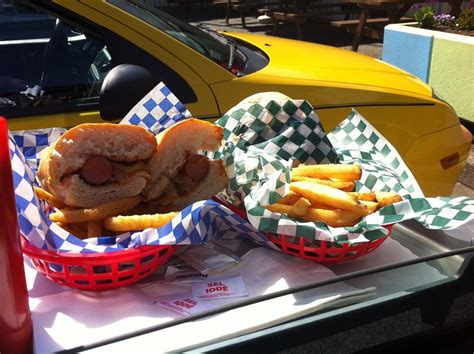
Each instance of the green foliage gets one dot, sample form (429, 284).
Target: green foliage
(465, 21)
(425, 17)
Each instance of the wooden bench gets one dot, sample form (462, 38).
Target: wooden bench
(351, 25)
(373, 26)
(301, 12)
(298, 19)
(242, 6)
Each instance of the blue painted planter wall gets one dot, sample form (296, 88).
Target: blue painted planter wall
(443, 60)
(415, 60)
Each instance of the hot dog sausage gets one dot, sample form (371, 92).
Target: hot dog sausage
(97, 170)
(197, 167)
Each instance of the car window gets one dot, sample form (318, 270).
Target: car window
(125, 52)
(214, 46)
(47, 66)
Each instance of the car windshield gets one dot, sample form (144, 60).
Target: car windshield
(216, 48)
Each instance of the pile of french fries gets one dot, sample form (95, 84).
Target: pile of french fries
(326, 193)
(105, 219)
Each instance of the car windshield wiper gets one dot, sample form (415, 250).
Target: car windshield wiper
(232, 50)
(219, 36)
(227, 41)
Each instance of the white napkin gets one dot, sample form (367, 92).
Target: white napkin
(65, 318)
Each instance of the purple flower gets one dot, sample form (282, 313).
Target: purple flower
(444, 19)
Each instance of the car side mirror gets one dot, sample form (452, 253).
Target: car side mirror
(122, 88)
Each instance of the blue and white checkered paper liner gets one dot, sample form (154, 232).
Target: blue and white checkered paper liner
(196, 224)
(264, 137)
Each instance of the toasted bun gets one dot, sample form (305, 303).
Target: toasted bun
(59, 166)
(75, 192)
(215, 181)
(175, 144)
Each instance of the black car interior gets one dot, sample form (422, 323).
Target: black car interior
(66, 67)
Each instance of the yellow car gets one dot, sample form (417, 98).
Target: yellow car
(66, 48)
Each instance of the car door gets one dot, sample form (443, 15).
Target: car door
(98, 38)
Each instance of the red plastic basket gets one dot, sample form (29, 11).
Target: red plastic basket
(98, 271)
(324, 251)
(317, 251)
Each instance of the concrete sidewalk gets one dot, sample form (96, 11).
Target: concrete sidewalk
(465, 185)
(322, 33)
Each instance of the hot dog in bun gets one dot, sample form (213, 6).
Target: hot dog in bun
(180, 173)
(96, 163)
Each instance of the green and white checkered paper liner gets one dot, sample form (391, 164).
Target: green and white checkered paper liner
(267, 132)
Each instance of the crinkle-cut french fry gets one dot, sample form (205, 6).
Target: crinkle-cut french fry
(123, 223)
(334, 217)
(290, 198)
(318, 193)
(99, 212)
(347, 173)
(369, 196)
(387, 198)
(342, 185)
(94, 228)
(48, 198)
(372, 206)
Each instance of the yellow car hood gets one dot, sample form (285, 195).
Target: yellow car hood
(300, 60)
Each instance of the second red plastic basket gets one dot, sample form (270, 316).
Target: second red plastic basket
(317, 251)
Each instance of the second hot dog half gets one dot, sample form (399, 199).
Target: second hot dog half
(180, 173)
(96, 163)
